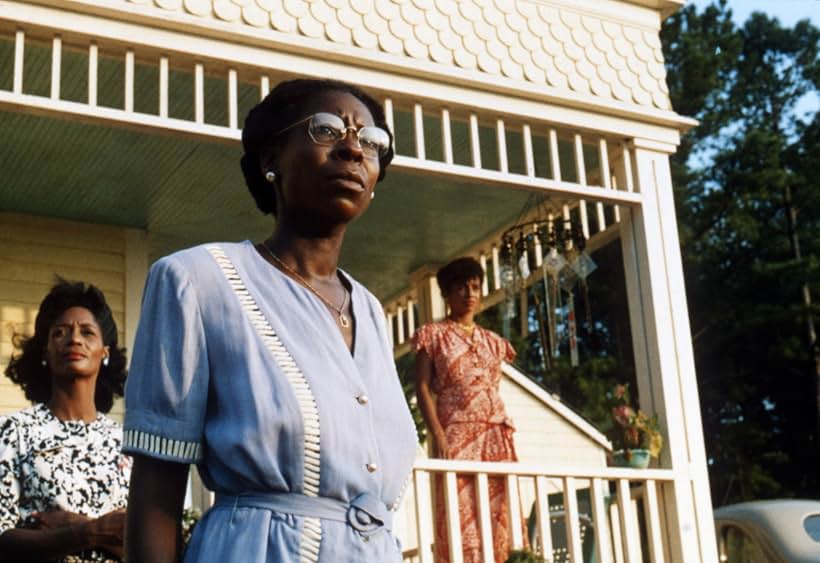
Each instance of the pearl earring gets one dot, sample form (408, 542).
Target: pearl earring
(43, 363)
(105, 361)
(270, 176)
(372, 195)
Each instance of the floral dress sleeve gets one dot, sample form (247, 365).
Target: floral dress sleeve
(423, 340)
(9, 471)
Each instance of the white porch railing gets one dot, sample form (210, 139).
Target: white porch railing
(570, 512)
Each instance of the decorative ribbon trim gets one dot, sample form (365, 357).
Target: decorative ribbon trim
(178, 450)
(312, 529)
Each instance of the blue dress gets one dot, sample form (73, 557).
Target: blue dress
(240, 369)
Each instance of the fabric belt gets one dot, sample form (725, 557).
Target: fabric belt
(366, 513)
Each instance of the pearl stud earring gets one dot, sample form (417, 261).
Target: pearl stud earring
(270, 176)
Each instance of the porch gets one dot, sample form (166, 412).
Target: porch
(118, 113)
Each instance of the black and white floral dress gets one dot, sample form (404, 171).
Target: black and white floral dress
(50, 464)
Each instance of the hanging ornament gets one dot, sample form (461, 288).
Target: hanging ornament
(573, 331)
(583, 265)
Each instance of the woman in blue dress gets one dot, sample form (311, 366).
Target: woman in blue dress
(268, 366)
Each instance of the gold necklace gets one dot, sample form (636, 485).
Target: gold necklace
(343, 320)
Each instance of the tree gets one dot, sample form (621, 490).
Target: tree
(743, 178)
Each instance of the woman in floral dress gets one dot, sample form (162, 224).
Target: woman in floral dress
(458, 369)
(63, 480)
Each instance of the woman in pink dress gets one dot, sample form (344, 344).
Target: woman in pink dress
(458, 369)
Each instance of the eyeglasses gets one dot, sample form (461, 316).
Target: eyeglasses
(329, 129)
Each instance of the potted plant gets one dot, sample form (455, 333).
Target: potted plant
(636, 435)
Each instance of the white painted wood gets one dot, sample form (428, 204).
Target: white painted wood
(56, 64)
(19, 50)
(501, 140)
(93, 61)
(446, 136)
(129, 81)
(603, 161)
(199, 93)
(475, 141)
(542, 511)
(388, 115)
(233, 102)
(453, 523)
(400, 324)
(264, 86)
(163, 86)
(411, 317)
(539, 252)
(617, 532)
(529, 157)
(555, 157)
(418, 127)
(514, 507)
(567, 226)
(581, 172)
(627, 517)
(654, 531)
(572, 521)
(484, 523)
(496, 272)
(599, 519)
(390, 329)
(628, 174)
(424, 512)
(485, 285)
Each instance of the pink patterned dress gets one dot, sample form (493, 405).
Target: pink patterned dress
(465, 382)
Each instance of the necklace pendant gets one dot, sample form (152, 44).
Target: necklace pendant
(343, 320)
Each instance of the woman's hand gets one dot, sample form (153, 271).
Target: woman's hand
(57, 519)
(441, 448)
(107, 532)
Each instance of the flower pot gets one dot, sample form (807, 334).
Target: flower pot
(636, 459)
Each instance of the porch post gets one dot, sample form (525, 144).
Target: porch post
(663, 351)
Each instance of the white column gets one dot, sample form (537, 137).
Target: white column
(664, 359)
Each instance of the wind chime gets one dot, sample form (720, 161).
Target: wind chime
(564, 268)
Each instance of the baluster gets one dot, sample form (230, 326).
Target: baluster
(475, 141)
(264, 86)
(572, 522)
(555, 157)
(485, 526)
(93, 59)
(617, 533)
(485, 285)
(567, 224)
(616, 210)
(233, 108)
(627, 156)
(514, 511)
(411, 317)
(199, 93)
(56, 62)
(400, 324)
(129, 80)
(542, 511)
(581, 172)
(418, 123)
(19, 49)
(388, 115)
(163, 86)
(446, 136)
(599, 519)
(529, 159)
(539, 253)
(629, 527)
(389, 319)
(501, 136)
(453, 524)
(496, 270)
(424, 515)
(603, 158)
(653, 523)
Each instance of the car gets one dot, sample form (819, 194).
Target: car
(769, 531)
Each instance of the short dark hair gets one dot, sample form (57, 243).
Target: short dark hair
(27, 370)
(458, 271)
(283, 106)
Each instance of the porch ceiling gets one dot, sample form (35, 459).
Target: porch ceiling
(185, 191)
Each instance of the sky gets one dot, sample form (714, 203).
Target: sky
(788, 12)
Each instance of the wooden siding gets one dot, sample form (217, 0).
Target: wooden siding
(33, 251)
(545, 437)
